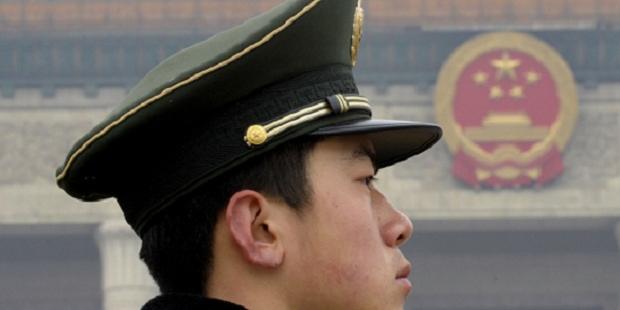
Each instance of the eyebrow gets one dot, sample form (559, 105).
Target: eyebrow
(363, 151)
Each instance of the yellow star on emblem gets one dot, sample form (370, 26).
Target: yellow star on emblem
(496, 92)
(532, 77)
(480, 77)
(506, 66)
(516, 92)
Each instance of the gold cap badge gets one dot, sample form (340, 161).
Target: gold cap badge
(358, 23)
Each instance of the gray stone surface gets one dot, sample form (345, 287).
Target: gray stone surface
(49, 268)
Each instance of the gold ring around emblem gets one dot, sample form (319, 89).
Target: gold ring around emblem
(358, 23)
(559, 132)
(256, 135)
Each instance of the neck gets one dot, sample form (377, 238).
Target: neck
(234, 280)
(250, 298)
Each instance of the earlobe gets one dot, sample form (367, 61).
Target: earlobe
(250, 223)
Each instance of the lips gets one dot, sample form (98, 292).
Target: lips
(403, 273)
(402, 278)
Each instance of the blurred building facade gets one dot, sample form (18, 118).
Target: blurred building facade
(65, 63)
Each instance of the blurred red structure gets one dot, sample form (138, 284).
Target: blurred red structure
(458, 12)
(103, 15)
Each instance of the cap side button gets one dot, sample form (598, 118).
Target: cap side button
(255, 135)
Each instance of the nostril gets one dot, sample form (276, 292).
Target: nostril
(406, 232)
(398, 229)
(401, 239)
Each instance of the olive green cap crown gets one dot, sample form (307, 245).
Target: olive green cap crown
(216, 104)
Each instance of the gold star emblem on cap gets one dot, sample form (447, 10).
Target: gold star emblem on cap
(356, 38)
(506, 66)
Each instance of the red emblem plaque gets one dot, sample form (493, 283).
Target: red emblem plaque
(508, 105)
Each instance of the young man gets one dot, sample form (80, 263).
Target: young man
(246, 164)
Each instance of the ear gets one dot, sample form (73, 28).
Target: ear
(251, 221)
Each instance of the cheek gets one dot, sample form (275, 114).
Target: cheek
(349, 279)
(350, 244)
(348, 222)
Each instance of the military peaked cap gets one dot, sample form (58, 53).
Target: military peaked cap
(213, 106)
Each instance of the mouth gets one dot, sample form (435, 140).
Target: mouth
(403, 272)
(402, 278)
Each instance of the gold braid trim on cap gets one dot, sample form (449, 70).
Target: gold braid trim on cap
(180, 84)
(259, 134)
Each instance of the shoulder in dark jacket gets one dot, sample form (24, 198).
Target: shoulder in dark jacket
(188, 302)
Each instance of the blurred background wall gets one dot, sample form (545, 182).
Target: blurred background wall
(64, 64)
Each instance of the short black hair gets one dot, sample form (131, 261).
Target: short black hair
(178, 248)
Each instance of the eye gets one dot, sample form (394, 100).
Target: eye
(370, 180)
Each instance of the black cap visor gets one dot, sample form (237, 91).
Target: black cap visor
(394, 141)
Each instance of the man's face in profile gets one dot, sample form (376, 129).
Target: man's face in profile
(347, 240)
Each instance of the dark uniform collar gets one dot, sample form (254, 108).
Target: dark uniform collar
(188, 302)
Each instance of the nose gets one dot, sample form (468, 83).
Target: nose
(396, 228)
(403, 229)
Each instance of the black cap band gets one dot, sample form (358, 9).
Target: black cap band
(215, 144)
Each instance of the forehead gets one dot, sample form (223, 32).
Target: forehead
(341, 150)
